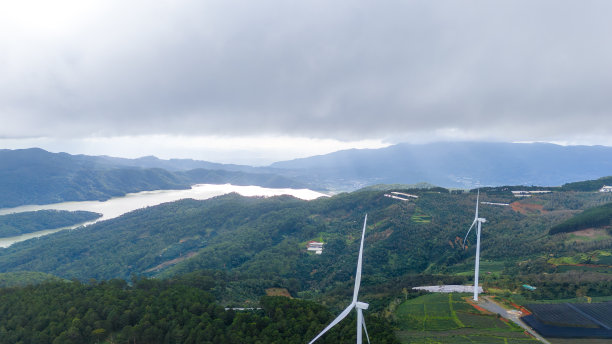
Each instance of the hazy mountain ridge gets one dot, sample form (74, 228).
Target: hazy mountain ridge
(35, 176)
(455, 164)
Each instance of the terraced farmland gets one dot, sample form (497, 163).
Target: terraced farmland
(448, 318)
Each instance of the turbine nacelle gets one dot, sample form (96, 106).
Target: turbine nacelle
(361, 305)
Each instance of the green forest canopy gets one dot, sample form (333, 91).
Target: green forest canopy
(33, 221)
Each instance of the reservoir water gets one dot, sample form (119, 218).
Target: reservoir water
(115, 207)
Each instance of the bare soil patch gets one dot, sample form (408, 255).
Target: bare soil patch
(590, 232)
(171, 262)
(278, 292)
(527, 208)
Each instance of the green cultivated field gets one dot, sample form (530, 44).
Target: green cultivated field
(448, 318)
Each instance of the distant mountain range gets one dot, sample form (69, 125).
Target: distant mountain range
(35, 176)
(456, 164)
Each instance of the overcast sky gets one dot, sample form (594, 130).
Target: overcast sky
(258, 81)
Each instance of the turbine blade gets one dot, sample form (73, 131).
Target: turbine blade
(359, 260)
(342, 315)
(366, 330)
(468, 232)
(477, 198)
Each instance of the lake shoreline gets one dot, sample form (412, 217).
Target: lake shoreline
(118, 206)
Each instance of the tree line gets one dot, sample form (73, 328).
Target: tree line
(161, 311)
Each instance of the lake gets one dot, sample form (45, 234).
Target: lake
(115, 207)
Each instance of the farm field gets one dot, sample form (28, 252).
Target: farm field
(448, 318)
(598, 257)
(421, 218)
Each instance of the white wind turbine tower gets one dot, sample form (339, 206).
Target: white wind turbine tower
(477, 221)
(360, 306)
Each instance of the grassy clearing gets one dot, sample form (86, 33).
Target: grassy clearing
(448, 318)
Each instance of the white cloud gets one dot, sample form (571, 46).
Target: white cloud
(250, 150)
(343, 70)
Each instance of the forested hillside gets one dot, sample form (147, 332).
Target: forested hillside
(600, 216)
(32, 221)
(242, 248)
(262, 240)
(588, 185)
(24, 278)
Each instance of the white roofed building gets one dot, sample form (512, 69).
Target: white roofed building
(315, 246)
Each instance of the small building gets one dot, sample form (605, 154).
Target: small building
(404, 194)
(451, 288)
(528, 287)
(400, 195)
(606, 188)
(315, 246)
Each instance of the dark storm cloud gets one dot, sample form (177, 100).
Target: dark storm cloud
(513, 70)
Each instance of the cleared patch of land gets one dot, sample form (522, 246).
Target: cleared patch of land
(278, 292)
(588, 235)
(527, 208)
(171, 262)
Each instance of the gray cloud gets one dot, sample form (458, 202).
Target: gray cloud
(511, 70)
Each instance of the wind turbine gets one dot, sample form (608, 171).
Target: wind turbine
(478, 221)
(360, 306)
